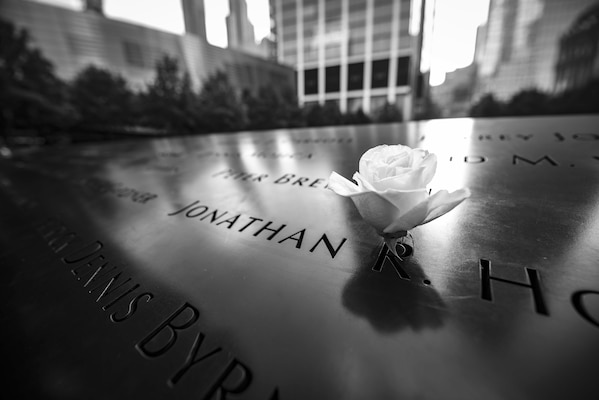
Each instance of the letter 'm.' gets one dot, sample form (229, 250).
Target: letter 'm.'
(546, 158)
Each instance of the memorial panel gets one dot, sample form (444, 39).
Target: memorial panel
(221, 266)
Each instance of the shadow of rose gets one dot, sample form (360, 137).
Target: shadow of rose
(390, 303)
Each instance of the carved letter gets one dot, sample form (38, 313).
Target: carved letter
(242, 382)
(474, 159)
(299, 240)
(327, 243)
(191, 359)
(168, 324)
(83, 253)
(585, 136)
(285, 178)
(204, 209)
(533, 278)
(214, 215)
(547, 158)
(251, 222)
(231, 221)
(274, 231)
(579, 305)
(132, 307)
(385, 254)
(184, 208)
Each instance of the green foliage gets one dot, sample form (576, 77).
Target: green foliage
(102, 98)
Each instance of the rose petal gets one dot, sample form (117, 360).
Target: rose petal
(390, 192)
(433, 207)
(342, 186)
(442, 202)
(413, 180)
(375, 209)
(409, 220)
(430, 168)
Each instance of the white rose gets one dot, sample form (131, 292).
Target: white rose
(391, 192)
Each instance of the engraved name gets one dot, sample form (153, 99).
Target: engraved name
(104, 186)
(118, 293)
(285, 179)
(488, 279)
(260, 228)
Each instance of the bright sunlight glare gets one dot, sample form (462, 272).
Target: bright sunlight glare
(453, 40)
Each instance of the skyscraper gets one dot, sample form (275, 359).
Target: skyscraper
(578, 59)
(357, 53)
(194, 17)
(521, 44)
(73, 40)
(240, 31)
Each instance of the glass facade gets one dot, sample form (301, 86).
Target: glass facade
(347, 48)
(311, 34)
(530, 57)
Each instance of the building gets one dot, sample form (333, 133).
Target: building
(578, 59)
(240, 31)
(521, 44)
(194, 17)
(356, 53)
(72, 40)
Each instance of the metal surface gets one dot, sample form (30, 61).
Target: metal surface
(158, 270)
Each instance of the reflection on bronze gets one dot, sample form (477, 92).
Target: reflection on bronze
(220, 265)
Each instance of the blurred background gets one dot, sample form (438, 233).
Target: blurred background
(85, 70)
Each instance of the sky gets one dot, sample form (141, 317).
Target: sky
(450, 46)
(167, 15)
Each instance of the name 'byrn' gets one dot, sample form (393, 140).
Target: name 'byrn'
(121, 296)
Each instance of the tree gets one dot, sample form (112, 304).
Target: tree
(31, 96)
(528, 102)
(273, 107)
(319, 115)
(220, 109)
(487, 106)
(170, 102)
(584, 99)
(331, 113)
(293, 112)
(388, 113)
(357, 117)
(314, 115)
(265, 111)
(101, 98)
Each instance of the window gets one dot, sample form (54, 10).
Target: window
(380, 73)
(311, 81)
(355, 76)
(403, 71)
(133, 54)
(332, 81)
